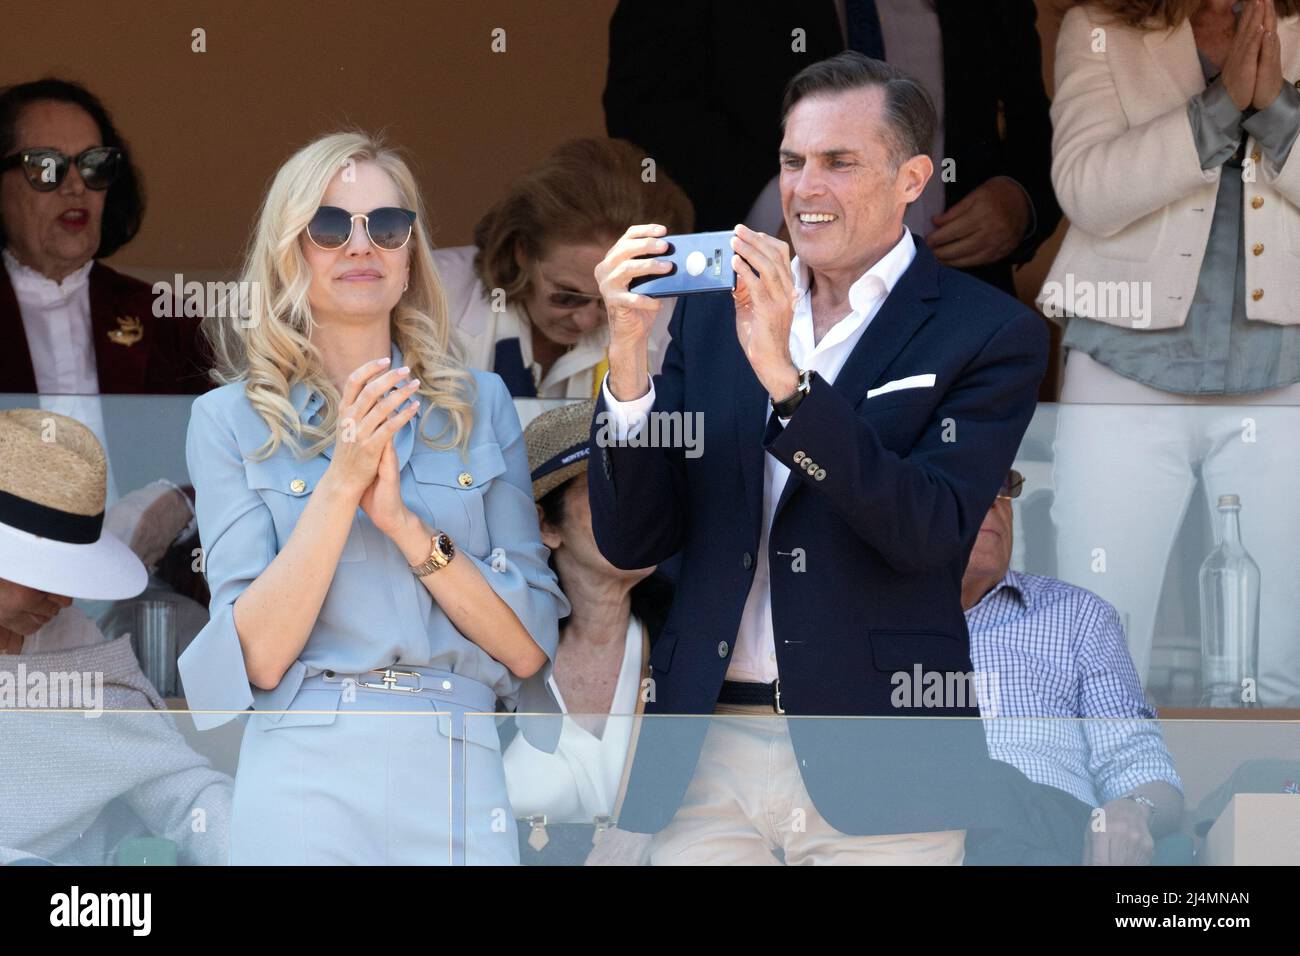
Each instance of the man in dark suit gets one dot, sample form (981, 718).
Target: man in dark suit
(860, 408)
(698, 85)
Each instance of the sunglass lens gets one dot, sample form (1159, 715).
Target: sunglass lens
(45, 168)
(330, 227)
(390, 227)
(99, 167)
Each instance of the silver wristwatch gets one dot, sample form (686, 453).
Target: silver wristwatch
(1145, 801)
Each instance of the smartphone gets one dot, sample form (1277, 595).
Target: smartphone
(701, 263)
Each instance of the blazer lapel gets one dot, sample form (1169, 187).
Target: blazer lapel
(901, 314)
(1174, 52)
(121, 367)
(16, 372)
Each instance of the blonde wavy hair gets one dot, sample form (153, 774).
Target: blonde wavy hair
(271, 348)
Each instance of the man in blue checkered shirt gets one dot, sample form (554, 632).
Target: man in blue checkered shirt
(1051, 650)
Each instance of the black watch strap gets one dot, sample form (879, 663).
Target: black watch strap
(785, 408)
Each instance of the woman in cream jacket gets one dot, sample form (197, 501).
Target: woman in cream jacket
(1179, 287)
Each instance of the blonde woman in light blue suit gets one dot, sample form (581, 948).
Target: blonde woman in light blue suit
(365, 510)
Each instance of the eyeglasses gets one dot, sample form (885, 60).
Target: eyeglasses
(1012, 485)
(389, 228)
(567, 298)
(45, 168)
(572, 300)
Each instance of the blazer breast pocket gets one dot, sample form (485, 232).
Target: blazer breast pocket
(899, 417)
(286, 486)
(910, 398)
(452, 490)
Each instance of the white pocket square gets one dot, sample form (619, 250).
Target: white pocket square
(912, 381)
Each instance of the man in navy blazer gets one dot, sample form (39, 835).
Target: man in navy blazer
(860, 408)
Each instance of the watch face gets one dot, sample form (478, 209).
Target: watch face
(445, 546)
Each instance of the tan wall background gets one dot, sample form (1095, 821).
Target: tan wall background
(209, 129)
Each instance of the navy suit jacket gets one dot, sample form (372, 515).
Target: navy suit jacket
(885, 534)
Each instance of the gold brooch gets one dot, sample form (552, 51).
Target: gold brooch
(128, 332)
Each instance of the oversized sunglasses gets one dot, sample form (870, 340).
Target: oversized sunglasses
(46, 168)
(1012, 485)
(389, 228)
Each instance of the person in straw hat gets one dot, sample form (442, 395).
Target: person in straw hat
(53, 548)
(62, 799)
(132, 536)
(600, 670)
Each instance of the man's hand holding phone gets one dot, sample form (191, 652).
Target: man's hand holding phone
(765, 297)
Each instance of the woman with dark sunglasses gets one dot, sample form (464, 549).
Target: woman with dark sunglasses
(69, 195)
(523, 298)
(370, 539)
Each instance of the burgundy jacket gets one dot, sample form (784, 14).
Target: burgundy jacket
(135, 352)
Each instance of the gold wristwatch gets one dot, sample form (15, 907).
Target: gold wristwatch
(441, 551)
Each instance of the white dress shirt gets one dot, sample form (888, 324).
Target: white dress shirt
(754, 657)
(56, 318)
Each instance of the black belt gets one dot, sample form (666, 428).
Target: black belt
(750, 693)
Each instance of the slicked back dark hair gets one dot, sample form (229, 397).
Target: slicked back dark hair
(124, 204)
(909, 112)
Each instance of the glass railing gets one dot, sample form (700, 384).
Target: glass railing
(749, 788)
(364, 784)
(1106, 506)
(1110, 504)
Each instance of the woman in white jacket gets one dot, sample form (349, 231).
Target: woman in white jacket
(1179, 287)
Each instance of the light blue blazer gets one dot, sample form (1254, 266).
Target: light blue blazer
(376, 613)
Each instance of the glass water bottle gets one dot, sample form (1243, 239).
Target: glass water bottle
(1229, 585)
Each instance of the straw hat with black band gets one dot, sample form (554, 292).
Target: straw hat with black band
(53, 480)
(558, 446)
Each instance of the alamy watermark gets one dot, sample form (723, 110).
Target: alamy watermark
(658, 430)
(919, 688)
(194, 299)
(52, 690)
(1130, 301)
(75, 908)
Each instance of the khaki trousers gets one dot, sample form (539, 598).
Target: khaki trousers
(747, 801)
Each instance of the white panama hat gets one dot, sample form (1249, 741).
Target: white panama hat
(53, 479)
